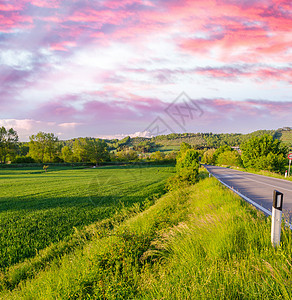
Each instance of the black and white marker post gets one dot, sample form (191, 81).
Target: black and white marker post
(276, 218)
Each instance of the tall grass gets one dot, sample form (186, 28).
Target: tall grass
(200, 242)
(223, 251)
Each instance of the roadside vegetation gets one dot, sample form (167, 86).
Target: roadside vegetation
(199, 240)
(258, 154)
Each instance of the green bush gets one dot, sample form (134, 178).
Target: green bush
(230, 158)
(187, 168)
(209, 157)
(264, 153)
(23, 159)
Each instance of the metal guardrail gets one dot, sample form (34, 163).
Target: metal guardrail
(264, 210)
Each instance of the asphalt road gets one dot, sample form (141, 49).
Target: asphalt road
(258, 188)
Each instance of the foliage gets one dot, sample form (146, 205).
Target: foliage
(145, 146)
(23, 159)
(209, 157)
(157, 156)
(184, 147)
(229, 158)
(187, 167)
(22, 149)
(97, 151)
(126, 156)
(43, 147)
(67, 154)
(222, 149)
(79, 150)
(264, 153)
(89, 150)
(8, 143)
(171, 156)
(118, 144)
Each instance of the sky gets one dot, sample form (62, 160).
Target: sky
(140, 67)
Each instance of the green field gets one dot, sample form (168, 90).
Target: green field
(38, 209)
(116, 240)
(199, 242)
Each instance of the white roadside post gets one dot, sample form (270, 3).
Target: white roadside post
(276, 218)
(290, 158)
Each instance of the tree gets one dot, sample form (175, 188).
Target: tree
(157, 156)
(220, 150)
(97, 151)
(67, 154)
(264, 153)
(43, 147)
(80, 150)
(170, 156)
(209, 157)
(144, 146)
(187, 165)
(90, 150)
(22, 149)
(229, 158)
(8, 143)
(127, 155)
(187, 168)
(184, 147)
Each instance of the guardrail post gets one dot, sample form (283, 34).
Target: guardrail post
(276, 218)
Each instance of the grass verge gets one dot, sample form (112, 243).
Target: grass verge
(200, 241)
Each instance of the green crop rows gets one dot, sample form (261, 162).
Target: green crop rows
(38, 209)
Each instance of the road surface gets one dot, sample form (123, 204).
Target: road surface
(258, 188)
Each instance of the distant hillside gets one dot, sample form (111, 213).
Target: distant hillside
(171, 142)
(285, 135)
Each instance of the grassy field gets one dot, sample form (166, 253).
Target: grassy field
(201, 241)
(38, 209)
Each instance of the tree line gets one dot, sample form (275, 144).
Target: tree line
(257, 153)
(46, 148)
(260, 152)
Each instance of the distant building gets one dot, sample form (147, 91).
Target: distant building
(237, 149)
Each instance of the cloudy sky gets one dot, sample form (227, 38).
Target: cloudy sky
(113, 68)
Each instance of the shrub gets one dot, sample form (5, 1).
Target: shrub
(23, 159)
(209, 157)
(187, 168)
(264, 153)
(230, 158)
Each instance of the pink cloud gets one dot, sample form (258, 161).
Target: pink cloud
(249, 40)
(260, 73)
(220, 115)
(249, 27)
(131, 108)
(8, 7)
(46, 3)
(11, 20)
(63, 46)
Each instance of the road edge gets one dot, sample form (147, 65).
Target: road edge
(264, 210)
